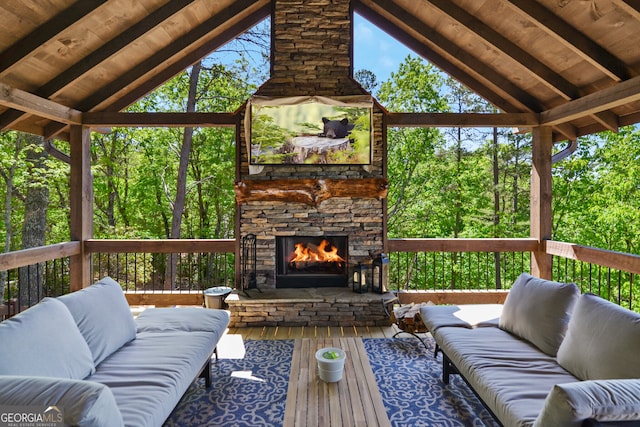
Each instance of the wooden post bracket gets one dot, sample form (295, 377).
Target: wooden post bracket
(309, 191)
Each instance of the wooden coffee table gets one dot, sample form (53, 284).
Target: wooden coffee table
(353, 401)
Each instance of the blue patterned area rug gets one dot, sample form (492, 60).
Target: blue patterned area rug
(410, 382)
(252, 391)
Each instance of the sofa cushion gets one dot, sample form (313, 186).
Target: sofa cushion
(149, 375)
(185, 319)
(103, 317)
(511, 376)
(44, 341)
(83, 403)
(602, 342)
(462, 316)
(568, 405)
(538, 311)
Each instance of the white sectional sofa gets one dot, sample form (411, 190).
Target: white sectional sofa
(86, 355)
(548, 357)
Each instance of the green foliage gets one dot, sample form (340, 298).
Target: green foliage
(441, 181)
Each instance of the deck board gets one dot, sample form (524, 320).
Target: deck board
(355, 400)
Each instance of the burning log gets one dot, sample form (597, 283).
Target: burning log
(308, 256)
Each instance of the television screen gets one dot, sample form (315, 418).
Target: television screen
(310, 130)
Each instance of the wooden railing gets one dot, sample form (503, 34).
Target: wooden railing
(142, 268)
(610, 274)
(456, 264)
(479, 267)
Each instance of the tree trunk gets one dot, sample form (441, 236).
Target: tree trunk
(8, 177)
(181, 190)
(496, 205)
(31, 278)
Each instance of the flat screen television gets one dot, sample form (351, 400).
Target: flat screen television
(310, 130)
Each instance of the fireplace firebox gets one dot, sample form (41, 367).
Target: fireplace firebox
(311, 261)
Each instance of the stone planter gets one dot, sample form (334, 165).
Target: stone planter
(330, 363)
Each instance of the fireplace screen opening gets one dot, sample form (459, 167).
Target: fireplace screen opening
(311, 261)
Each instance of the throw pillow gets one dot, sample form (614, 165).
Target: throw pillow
(569, 404)
(602, 342)
(103, 317)
(83, 403)
(538, 311)
(44, 341)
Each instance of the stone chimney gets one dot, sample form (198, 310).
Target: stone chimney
(311, 49)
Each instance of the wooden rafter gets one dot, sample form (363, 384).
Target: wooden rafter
(497, 90)
(100, 99)
(94, 59)
(527, 61)
(632, 7)
(165, 74)
(47, 31)
(574, 40)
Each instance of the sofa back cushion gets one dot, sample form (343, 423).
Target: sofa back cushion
(103, 316)
(83, 403)
(44, 341)
(569, 404)
(602, 342)
(538, 311)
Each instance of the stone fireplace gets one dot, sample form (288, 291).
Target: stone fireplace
(311, 56)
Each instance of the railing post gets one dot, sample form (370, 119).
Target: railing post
(81, 204)
(540, 207)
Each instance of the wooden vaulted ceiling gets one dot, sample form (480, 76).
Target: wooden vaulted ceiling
(570, 64)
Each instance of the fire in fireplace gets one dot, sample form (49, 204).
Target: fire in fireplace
(309, 261)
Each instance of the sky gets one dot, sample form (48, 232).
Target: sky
(375, 50)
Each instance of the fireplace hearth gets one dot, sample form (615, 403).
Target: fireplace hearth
(311, 261)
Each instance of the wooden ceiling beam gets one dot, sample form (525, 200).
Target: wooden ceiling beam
(115, 45)
(161, 56)
(109, 119)
(519, 120)
(608, 119)
(502, 102)
(233, 31)
(632, 7)
(597, 102)
(46, 32)
(502, 93)
(528, 62)
(29, 103)
(10, 118)
(102, 96)
(584, 47)
(77, 70)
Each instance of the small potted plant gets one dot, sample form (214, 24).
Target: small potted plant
(331, 363)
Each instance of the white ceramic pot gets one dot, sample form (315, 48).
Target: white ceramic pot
(330, 363)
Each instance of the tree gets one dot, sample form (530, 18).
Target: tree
(8, 167)
(368, 80)
(411, 152)
(34, 227)
(181, 186)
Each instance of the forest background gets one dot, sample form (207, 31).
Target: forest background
(445, 183)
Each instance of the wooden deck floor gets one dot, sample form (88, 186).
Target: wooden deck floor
(293, 332)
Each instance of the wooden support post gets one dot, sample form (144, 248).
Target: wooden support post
(81, 204)
(540, 210)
